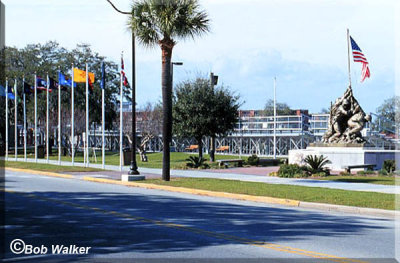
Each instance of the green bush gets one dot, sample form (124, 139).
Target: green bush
(365, 172)
(253, 160)
(316, 164)
(383, 172)
(291, 171)
(344, 173)
(389, 166)
(196, 162)
(321, 174)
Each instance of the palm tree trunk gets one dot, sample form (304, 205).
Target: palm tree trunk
(166, 83)
(200, 144)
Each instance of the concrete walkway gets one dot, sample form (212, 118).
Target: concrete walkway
(231, 174)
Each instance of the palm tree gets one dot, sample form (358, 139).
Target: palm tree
(159, 22)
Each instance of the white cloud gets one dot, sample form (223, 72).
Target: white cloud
(302, 42)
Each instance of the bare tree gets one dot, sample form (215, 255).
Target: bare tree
(149, 125)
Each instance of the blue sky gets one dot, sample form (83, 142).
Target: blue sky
(302, 43)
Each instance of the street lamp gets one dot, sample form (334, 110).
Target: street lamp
(133, 170)
(172, 71)
(213, 82)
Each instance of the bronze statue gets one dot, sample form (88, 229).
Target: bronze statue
(346, 120)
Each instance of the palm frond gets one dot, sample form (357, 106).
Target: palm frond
(154, 20)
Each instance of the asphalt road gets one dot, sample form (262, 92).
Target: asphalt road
(124, 224)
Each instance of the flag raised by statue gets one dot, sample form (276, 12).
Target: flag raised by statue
(358, 56)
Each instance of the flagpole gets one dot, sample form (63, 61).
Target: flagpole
(16, 119)
(120, 120)
(72, 116)
(59, 118)
(348, 55)
(102, 120)
(35, 133)
(87, 116)
(25, 133)
(47, 119)
(6, 119)
(275, 118)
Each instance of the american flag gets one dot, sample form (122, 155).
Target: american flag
(358, 56)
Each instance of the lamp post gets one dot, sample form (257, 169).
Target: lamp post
(172, 70)
(213, 82)
(133, 169)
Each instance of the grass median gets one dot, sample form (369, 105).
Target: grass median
(383, 180)
(48, 167)
(300, 193)
(178, 159)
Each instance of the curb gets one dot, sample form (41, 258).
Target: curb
(52, 174)
(261, 199)
(392, 214)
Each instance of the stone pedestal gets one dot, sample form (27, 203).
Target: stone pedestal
(342, 155)
(130, 178)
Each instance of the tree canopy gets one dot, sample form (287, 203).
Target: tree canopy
(200, 110)
(281, 108)
(389, 114)
(156, 21)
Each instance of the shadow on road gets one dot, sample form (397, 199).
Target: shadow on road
(38, 222)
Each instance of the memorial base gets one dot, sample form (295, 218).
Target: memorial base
(341, 156)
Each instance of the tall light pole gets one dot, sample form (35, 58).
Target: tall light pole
(172, 70)
(274, 118)
(133, 170)
(213, 82)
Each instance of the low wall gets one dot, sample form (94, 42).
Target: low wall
(342, 156)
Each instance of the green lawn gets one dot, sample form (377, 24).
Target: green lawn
(384, 180)
(301, 193)
(47, 167)
(178, 159)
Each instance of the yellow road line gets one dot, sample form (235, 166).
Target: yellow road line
(199, 231)
(68, 176)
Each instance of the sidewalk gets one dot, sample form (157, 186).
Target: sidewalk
(242, 174)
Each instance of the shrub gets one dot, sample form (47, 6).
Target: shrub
(321, 174)
(253, 160)
(291, 171)
(316, 164)
(389, 166)
(196, 162)
(344, 173)
(383, 172)
(273, 174)
(365, 172)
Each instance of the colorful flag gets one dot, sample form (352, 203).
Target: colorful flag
(64, 81)
(53, 84)
(41, 84)
(103, 76)
(358, 56)
(124, 78)
(2, 91)
(80, 76)
(9, 90)
(28, 89)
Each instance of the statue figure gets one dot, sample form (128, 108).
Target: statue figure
(355, 125)
(346, 120)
